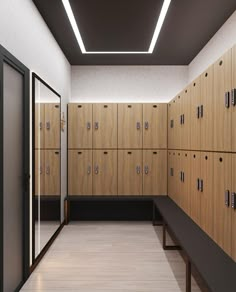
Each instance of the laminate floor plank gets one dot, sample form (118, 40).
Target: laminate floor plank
(114, 257)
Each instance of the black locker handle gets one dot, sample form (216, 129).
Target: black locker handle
(201, 185)
(233, 201)
(201, 111)
(183, 119)
(172, 171)
(198, 184)
(227, 192)
(183, 177)
(233, 97)
(227, 99)
(198, 112)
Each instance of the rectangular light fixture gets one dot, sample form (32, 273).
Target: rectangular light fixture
(157, 30)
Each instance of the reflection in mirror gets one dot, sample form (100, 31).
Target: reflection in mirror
(47, 164)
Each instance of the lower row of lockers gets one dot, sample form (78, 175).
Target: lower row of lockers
(203, 184)
(117, 172)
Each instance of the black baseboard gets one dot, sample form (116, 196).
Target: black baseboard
(112, 208)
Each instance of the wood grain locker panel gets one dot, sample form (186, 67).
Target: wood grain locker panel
(195, 198)
(105, 125)
(154, 172)
(207, 198)
(233, 211)
(130, 172)
(39, 173)
(52, 172)
(233, 102)
(207, 102)
(130, 126)
(222, 212)
(105, 172)
(171, 175)
(178, 169)
(171, 125)
(195, 114)
(154, 126)
(177, 114)
(80, 172)
(185, 181)
(39, 125)
(222, 122)
(52, 126)
(185, 127)
(80, 126)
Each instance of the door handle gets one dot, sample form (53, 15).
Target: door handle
(233, 97)
(233, 201)
(146, 125)
(40, 125)
(172, 171)
(88, 125)
(183, 119)
(89, 169)
(182, 176)
(227, 99)
(198, 112)
(146, 169)
(201, 111)
(96, 125)
(138, 126)
(198, 184)
(227, 192)
(48, 170)
(172, 123)
(201, 185)
(96, 169)
(138, 169)
(48, 125)
(180, 120)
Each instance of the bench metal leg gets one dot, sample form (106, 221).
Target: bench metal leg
(154, 221)
(164, 245)
(188, 276)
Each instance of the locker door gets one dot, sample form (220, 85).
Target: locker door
(185, 181)
(233, 210)
(171, 124)
(195, 198)
(52, 175)
(39, 188)
(130, 172)
(222, 109)
(79, 126)
(52, 126)
(130, 126)
(195, 114)
(221, 191)
(178, 168)
(234, 101)
(154, 126)
(207, 112)
(178, 128)
(105, 125)
(105, 172)
(171, 173)
(206, 209)
(39, 125)
(185, 126)
(154, 172)
(79, 172)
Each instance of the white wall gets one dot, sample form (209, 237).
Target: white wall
(127, 83)
(24, 33)
(223, 40)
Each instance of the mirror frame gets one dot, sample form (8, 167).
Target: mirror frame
(36, 259)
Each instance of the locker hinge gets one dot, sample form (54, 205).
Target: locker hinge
(233, 201)
(227, 193)
(233, 96)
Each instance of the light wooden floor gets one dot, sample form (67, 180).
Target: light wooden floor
(92, 257)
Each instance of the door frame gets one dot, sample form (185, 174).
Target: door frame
(6, 57)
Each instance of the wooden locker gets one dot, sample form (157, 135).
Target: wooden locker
(39, 125)
(52, 130)
(105, 126)
(130, 126)
(104, 172)
(154, 172)
(171, 124)
(207, 112)
(221, 206)
(195, 199)
(171, 174)
(80, 126)
(130, 172)
(80, 172)
(177, 177)
(155, 126)
(52, 172)
(185, 178)
(177, 115)
(185, 125)
(233, 210)
(206, 193)
(39, 179)
(195, 114)
(233, 102)
(222, 110)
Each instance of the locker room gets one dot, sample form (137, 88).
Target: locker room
(118, 145)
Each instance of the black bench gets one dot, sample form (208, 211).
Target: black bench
(215, 267)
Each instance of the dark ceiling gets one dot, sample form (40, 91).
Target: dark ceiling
(128, 25)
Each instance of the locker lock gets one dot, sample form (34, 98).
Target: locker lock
(96, 169)
(48, 170)
(41, 170)
(89, 169)
(233, 201)
(138, 126)
(146, 125)
(40, 125)
(96, 125)
(227, 198)
(146, 169)
(48, 125)
(88, 125)
(138, 169)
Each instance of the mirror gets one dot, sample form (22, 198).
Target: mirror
(46, 154)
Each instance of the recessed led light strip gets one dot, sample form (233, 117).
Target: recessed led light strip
(157, 30)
